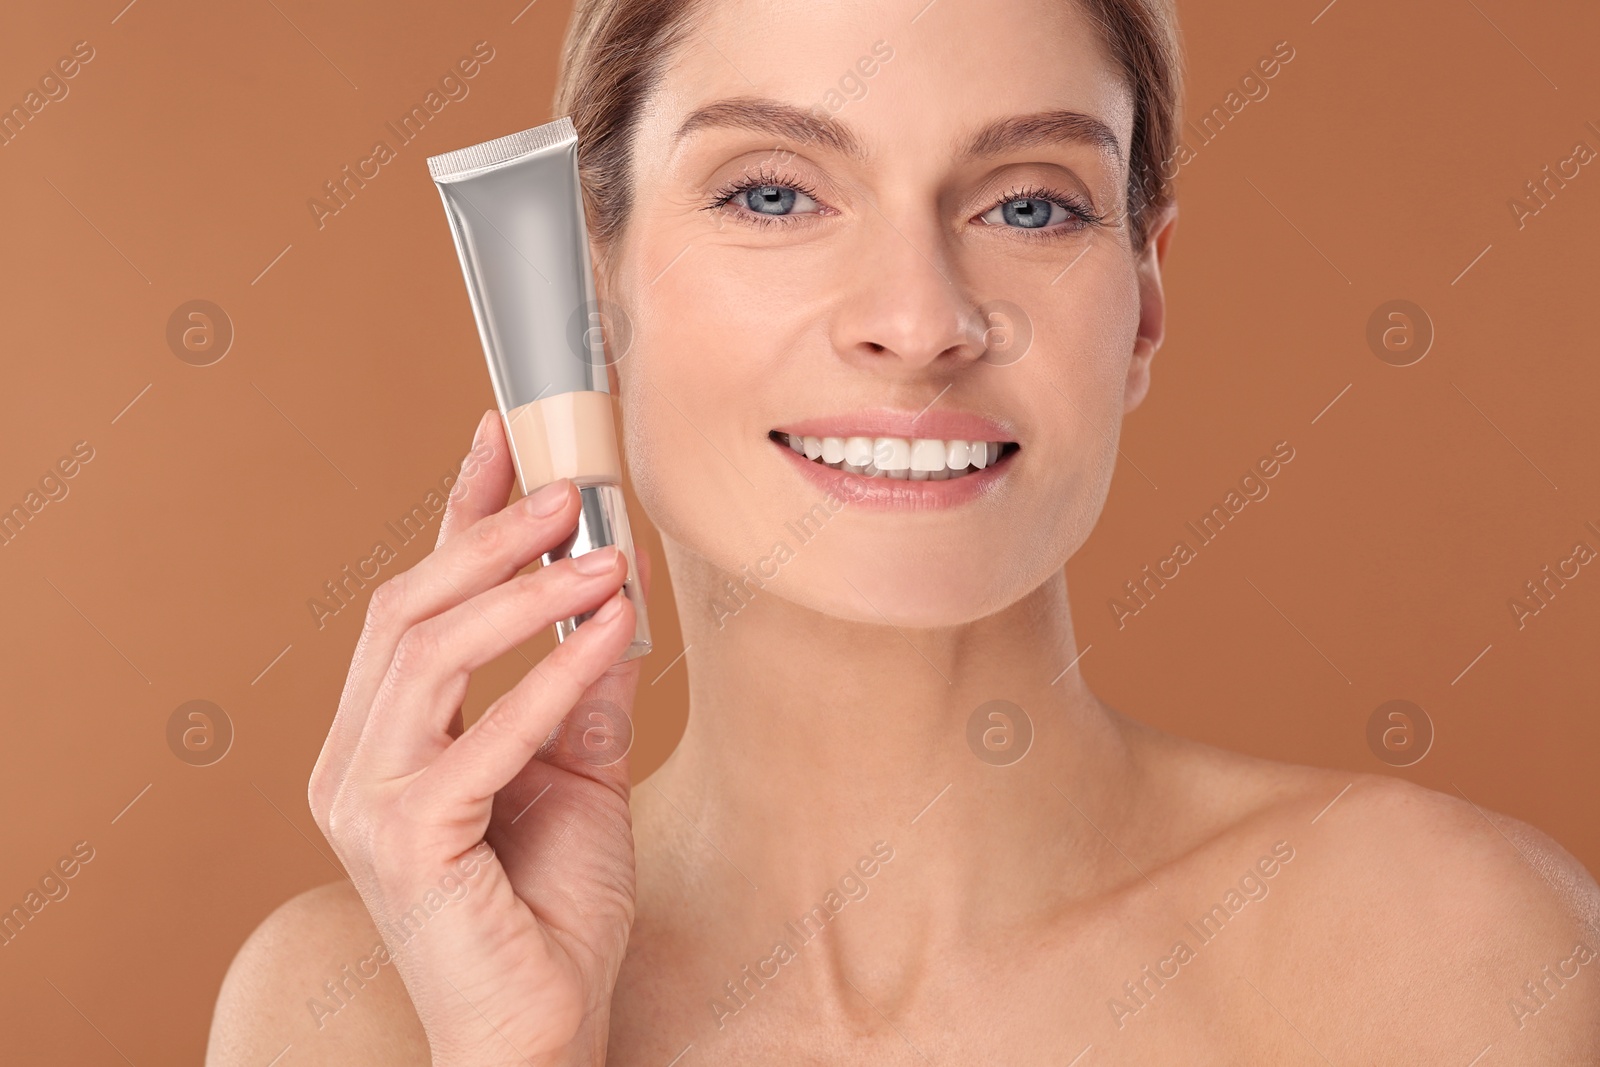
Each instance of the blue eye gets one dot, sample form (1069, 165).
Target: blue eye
(1029, 213)
(766, 198)
(1039, 209)
(770, 199)
(776, 200)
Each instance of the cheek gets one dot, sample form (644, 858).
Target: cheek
(1092, 321)
(1088, 341)
(691, 387)
(1075, 377)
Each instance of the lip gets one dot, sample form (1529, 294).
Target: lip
(898, 494)
(931, 424)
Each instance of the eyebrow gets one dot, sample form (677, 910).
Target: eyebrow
(777, 118)
(1058, 126)
(1040, 129)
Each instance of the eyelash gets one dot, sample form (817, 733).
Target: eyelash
(1079, 211)
(761, 178)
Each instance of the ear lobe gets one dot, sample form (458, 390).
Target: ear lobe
(1152, 307)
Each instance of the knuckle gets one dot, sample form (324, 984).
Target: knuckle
(419, 648)
(533, 583)
(322, 788)
(351, 829)
(489, 538)
(340, 818)
(316, 799)
(384, 606)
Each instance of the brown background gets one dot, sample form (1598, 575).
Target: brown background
(179, 167)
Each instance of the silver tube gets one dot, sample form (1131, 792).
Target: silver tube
(515, 208)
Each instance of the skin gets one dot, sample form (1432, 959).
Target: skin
(829, 713)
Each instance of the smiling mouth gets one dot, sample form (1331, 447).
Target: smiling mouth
(914, 459)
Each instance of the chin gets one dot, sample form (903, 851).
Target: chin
(861, 579)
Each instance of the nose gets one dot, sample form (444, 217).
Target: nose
(904, 307)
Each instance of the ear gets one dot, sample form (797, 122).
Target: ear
(1152, 307)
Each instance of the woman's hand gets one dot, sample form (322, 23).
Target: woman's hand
(497, 863)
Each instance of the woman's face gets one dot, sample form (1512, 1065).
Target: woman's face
(897, 221)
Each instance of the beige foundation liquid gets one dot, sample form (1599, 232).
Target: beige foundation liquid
(569, 435)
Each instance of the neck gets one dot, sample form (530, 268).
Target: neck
(810, 739)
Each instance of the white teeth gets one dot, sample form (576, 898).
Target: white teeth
(910, 459)
(892, 453)
(927, 455)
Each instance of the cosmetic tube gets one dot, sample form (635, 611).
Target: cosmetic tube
(516, 212)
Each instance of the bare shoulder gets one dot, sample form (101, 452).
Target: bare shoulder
(1484, 928)
(315, 977)
(1410, 923)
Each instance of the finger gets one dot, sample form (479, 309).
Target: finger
(408, 724)
(485, 478)
(480, 488)
(595, 739)
(484, 555)
(495, 748)
(593, 744)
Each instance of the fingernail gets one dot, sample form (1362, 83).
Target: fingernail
(477, 435)
(596, 562)
(608, 610)
(547, 500)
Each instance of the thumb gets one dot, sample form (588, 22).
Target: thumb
(597, 734)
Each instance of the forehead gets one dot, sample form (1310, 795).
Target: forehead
(904, 74)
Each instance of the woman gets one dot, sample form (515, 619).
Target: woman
(899, 827)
